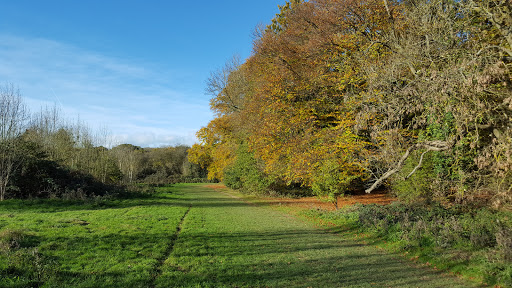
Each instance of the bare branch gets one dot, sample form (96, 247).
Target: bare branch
(390, 172)
(429, 145)
(418, 166)
(387, 9)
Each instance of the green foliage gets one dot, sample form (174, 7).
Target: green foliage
(246, 173)
(65, 170)
(331, 181)
(38, 176)
(166, 165)
(442, 129)
(439, 174)
(421, 185)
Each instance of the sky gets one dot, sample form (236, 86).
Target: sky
(137, 68)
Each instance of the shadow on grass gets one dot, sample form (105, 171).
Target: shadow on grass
(227, 255)
(58, 205)
(290, 258)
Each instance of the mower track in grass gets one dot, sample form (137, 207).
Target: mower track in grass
(188, 235)
(168, 251)
(226, 242)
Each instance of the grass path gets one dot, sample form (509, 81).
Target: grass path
(226, 242)
(168, 251)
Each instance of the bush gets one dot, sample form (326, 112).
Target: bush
(479, 240)
(247, 174)
(421, 184)
(482, 235)
(331, 181)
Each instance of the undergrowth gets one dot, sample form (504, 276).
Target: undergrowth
(474, 243)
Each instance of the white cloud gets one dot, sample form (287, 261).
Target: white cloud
(136, 101)
(156, 138)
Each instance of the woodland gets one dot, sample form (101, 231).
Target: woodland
(42, 155)
(408, 97)
(341, 96)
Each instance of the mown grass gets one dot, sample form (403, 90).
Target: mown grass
(189, 235)
(475, 244)
(226, 242)
(117, 243)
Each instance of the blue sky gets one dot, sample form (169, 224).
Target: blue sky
(137, 67)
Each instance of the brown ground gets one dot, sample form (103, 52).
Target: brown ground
(317, 203)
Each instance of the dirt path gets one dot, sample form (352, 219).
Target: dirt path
(317, 203)
(226, 242)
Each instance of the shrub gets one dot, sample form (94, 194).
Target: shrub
(331, 181)
(421, 184)
(484, 236)
(247, 174)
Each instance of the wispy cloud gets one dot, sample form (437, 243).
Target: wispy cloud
(139, 102)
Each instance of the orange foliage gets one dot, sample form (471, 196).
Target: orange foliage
(303, 86)
(307, 82)
(216, 151)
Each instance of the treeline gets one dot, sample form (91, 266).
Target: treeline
(343, 95)
(43, 156)
(156, 166)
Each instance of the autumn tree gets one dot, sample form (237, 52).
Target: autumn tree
(308, 81)
(445, 87)
(341, 94)
(230, 89)
(217, 148)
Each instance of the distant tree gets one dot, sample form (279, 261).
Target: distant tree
(217, 148)
(13, 117)
(129, 160)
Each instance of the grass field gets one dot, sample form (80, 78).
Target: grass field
(109, 244)
(187, 236)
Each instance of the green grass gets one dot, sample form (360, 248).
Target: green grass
(106, 244)
(226, 242)
(447, 245)
(188, 236)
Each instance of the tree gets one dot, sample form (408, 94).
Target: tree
(337, 91)
(128, 158)
(246, 173)
(228, 87)
(13, 117)
(498, 18)
(308, 80)
(217, 148)
(446, 80)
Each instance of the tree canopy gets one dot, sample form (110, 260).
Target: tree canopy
(342, 94)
